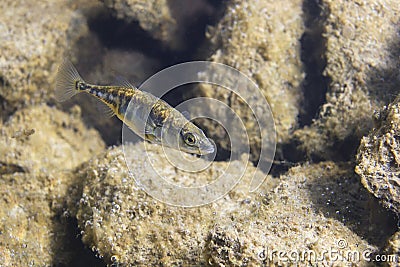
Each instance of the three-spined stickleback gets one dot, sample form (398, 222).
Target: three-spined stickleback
(148, 116)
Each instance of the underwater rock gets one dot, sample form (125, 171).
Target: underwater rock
(34, 37)
(378, 158)
(45, 144)
(262, 40)
(41, 138)
(27, 232)
(362, 67)
(125, 225)
(313, 207)
(153, 16)
(164, 20)
(393, 249)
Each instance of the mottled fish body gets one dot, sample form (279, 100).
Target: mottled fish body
(148, 116)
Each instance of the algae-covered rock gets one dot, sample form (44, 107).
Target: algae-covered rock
(379, 158)
(262, 40)
(154, 16)
(25, 226)
(41, 138)
(362, 66)
(34, 37)
(392, 251)
(164, 20)
(313, 207)
(125, 225)
(38, 146)
(47, 174)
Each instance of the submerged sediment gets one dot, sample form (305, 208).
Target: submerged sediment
(46, 144)
(311, 206)
(361, 54)
(60, 183)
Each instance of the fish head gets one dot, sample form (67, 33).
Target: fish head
(183, 135)
(193, 140)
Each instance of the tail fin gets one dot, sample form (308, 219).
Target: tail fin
(66, 80)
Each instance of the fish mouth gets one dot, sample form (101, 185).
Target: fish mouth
(205, 149)
(208, 150)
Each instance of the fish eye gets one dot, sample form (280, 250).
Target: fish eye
(189, 139)
(82, 86)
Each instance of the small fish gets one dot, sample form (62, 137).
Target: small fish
(148, 116)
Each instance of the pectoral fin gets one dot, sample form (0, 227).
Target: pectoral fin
(152, 138)
(153, 134)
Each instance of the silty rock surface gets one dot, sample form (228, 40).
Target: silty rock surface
(392, 250)
(39, 147)
(379, 158)
(310, 207)
(34, 37)
(164, 20)
(262, 40)
(362, 63)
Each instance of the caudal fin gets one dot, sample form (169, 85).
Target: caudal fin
(66, 80)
